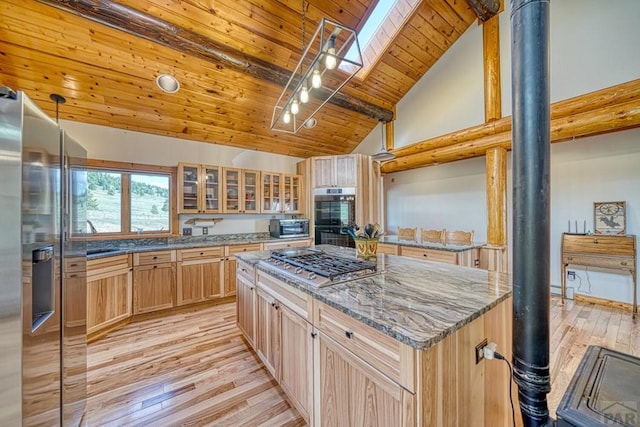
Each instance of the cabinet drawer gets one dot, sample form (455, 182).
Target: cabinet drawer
(296, 300)
(430, 254)
(600, 261)
(75, 264)
(603, 245)
(235, 249)
(378, 349)
(156, 257)
(247, 271)
(104, 265)
(387, 249)
(199, 253)
(287, 244)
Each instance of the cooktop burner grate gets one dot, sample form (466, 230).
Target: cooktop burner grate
(323, 264)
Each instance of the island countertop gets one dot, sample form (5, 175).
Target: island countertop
(416, 302)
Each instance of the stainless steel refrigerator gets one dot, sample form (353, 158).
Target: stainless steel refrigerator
(42, 268)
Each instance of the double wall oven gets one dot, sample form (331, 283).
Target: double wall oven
(334, 211)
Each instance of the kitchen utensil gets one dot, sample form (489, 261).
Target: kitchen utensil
(376, 230)
(369, 230)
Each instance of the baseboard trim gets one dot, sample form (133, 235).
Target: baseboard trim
(603, 301)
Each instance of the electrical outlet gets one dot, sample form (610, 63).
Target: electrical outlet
(479, 352)
(205, 230)
(571, 276)
(186, 231)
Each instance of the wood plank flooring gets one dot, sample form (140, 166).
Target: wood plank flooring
(189, 369)
(195, 369)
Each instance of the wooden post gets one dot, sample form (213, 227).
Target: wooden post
(497, 196)
(491, 52)
(389, 132)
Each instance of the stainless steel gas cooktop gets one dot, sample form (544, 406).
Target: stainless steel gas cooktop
(318, 268)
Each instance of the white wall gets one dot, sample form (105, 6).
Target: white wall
(107, 143)
(594, 45)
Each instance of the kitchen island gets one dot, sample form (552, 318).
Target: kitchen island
(395, 348)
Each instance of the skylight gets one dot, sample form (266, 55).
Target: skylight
(386, 19)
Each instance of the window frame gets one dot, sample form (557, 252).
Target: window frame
(127, 169)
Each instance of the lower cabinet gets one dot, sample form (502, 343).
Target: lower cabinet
(354, 393)
(268, 332)
(350, 375)
(231, 265)
(245, 307)
(154, 287)
(296, 369)
(199, 275)
(287, 244)
(109, 282)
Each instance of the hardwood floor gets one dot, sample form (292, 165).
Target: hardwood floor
(190, 369)
(195, 369)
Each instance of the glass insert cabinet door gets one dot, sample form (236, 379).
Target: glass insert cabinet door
(291, 194)
(271, 192)
(189, 189)
(250, 187)
(211, 189)
(232, 188)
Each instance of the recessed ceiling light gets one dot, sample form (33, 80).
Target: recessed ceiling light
(168, 83)
(310, 123)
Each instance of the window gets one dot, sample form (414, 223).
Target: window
(121, 202)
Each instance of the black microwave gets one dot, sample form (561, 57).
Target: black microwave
(283, 228)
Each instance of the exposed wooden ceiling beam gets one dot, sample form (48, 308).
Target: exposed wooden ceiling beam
(607, 110)
(485, 9)
(141, 24)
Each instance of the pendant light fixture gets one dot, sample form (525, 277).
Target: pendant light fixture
(328, 62)
(383, 154)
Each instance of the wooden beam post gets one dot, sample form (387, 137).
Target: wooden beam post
(491, 53)
(497, 196)
(389, 132)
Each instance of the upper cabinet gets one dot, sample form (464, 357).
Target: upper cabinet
(335, 171)
(198, 189)
(281, 193)
(241, 190)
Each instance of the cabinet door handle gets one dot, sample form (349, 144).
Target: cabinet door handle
(570, 258)
(273, 304)
(155, 257)
(73, 265)
(623, 263)
(201, 253)
(595, 241)
(131, 269)
(314, 335)
(348, 334)
(155, 266)
(424, 255)
(73, 275)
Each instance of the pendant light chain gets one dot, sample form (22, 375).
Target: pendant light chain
(304, 16)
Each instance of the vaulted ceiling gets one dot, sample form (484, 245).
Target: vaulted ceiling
(107, 72)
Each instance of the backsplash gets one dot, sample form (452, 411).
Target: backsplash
(159, 241)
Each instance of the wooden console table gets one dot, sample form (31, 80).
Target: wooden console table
(602, 251)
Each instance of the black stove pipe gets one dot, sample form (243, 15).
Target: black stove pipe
(531, 226)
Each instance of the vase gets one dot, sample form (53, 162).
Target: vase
(366, 248)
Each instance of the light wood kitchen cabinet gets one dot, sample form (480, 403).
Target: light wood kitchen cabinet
(271, 192)
(154, 281)
(199, 189)
(109, 288)
(230, 265)
(241, 191)
(246, 301)
(286, 244)
(467, 258)
(199, 275)
(335, 171)
(268, 332)
(354, 393)
(292, 194)
(281, 193)
(387, 249)
(296, 369)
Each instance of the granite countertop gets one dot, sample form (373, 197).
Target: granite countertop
(414, 301)
(146, 246)
(451, 247)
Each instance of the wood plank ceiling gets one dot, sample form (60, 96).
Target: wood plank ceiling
(108, 75)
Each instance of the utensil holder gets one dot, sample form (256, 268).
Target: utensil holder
(366, 248)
